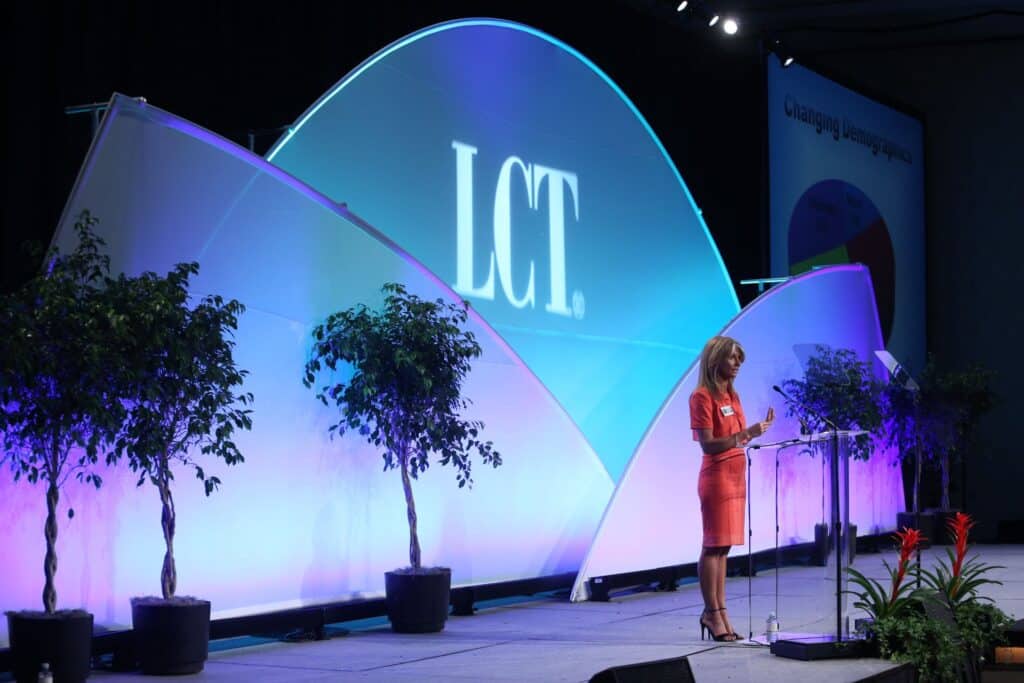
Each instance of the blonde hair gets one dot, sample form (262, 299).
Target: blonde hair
(711, 359)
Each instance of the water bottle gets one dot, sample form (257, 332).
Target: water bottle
(44, 674)
(772, 628)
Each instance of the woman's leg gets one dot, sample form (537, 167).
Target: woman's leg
(707, 574)
(719, 589)
(710, 573)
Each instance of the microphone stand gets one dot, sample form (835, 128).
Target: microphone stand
(836, 520)
(821, 418)
(778, 445)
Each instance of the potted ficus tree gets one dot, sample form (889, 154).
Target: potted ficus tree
(967, 395)
(58, 416)
(919, 426)
(399, 380)
(934, 425)
(839, 387)
(182, 391)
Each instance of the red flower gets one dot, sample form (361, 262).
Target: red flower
(960, 525)
(909, 540)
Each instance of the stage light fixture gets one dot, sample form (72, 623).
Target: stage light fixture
(782, 53)
(730, 26)
(714, 20)
(682, 5)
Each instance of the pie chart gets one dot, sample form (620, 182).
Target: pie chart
(833, 223)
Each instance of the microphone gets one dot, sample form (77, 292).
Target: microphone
(784, 443)
(790, 399)
(804, 429)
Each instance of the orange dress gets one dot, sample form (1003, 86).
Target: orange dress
(722, 484)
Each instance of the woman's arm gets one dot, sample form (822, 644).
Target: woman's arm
(713, 446)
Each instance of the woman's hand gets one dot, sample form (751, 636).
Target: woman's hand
(757, 429)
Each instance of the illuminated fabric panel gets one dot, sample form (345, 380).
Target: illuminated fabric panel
(653, 519)
(517, 172)
(304, 519)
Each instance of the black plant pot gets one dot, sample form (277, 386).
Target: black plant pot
(942, 536)
(926, 525)
(871, 647)
(171, 636)
(823, 545)
(418, 600)
(63, 640)
(864, 628)
(819, 555)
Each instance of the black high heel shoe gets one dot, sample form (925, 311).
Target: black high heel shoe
(735, 636)
(717, 637)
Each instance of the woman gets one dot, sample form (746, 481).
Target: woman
(717, 420)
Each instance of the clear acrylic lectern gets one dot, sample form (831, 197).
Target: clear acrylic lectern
(811, 505)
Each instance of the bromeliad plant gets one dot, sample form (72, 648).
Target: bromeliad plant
(900, 626)
(879, 601)
(957, 581)
(980, 625)
(907, 624)
(407, 363)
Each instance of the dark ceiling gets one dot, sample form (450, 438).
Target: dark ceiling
(810, 28)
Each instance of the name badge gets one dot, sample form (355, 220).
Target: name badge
(727, 411)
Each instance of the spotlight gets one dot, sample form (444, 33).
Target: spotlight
(714, 20)
(682, 5)
(783, 53)
(730, 27)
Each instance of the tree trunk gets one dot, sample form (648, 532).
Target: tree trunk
(50, 563)
(168, 575)
(945, 482)
(410, 504)
(917, 476)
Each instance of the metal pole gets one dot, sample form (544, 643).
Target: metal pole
(837, 526)
(917, 481)
(750, 554)
(94, 110)
(777, 552)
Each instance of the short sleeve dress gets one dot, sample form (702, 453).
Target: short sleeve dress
(722, 484)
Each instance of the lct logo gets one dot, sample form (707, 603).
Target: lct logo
(533, 177)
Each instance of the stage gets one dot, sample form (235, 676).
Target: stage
(550, 639)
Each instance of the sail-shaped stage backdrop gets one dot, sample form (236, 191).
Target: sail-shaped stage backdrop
(477, 159)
